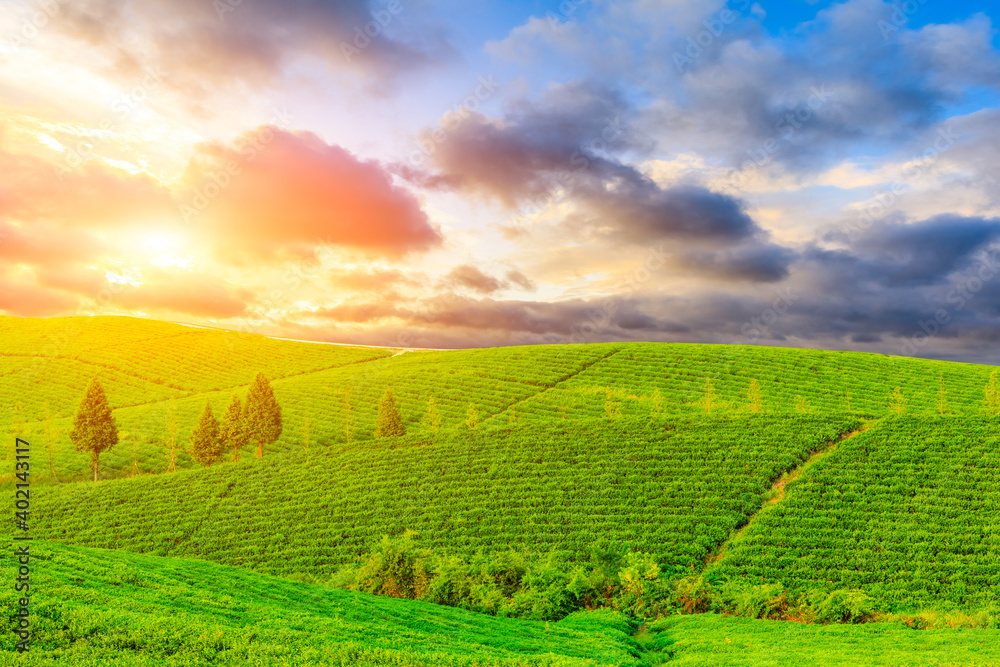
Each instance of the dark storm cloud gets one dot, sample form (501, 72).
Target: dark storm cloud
(565, 146)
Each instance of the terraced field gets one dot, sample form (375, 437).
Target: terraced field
(908, 512)
(676, 490)
(159, 375)
(674, 378)
(113, 608)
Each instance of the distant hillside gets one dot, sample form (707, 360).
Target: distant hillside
(156, 372)
(673, 489)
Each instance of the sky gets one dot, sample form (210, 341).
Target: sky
(436, 173)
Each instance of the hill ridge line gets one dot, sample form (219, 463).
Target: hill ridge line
(569, 377)
(778, 487)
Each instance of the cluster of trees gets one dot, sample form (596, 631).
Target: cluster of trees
(256, 420)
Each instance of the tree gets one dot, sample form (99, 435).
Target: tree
(172, 429)
(897, 402)
(612, 408)
(306, 421)
(233, 433)
(51, 439)
(471, 417)
(262, 414)
(348, 421)
(94, 429)
(708, 400)
(657, 402)
(992, 400)
(389, 422)
(432, 418)
(755, 396)
(206, 443)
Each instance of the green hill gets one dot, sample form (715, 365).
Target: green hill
(158, 373)
(98, 608)
(676, 494)
(908, 512)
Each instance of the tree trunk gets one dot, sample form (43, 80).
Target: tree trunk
(260, 449)
(236, 454)
(96, 462)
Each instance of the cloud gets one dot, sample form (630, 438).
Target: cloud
(193, 294)
(284, 193)
(469, 277)
(203, 46)
(93, 196)
(373, 280)
(27, 299)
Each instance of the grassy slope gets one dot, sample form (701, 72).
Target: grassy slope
(908, 511)
(674, 493)
(162, 369)
(707, 640)
(100, 608)
(95, 607)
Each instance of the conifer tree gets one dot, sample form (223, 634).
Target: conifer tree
(206, 444)
(432, 418)
(755, 395)
(992, 400)
(262, 414)
(389, 422)
(94, 429)
(472, 417)
(233, 433)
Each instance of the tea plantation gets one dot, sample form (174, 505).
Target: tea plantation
(674, 488)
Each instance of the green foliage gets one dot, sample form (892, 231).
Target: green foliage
(206, 443)
(991, 402)
(432, 418)
(755, 396)
(389, 423)
(471, 417)
(897, 402)
(94, 429)
(905, 513)
(262, 414)
(233, 433)
(102, 608)
(674, 494)
(709, 639)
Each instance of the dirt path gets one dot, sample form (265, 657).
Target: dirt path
(778, 491)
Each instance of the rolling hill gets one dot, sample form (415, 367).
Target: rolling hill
(764, 482)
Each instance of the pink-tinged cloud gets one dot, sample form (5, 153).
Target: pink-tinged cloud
(27, 299)
(89, 196)
(283, 193)
(181, 292)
